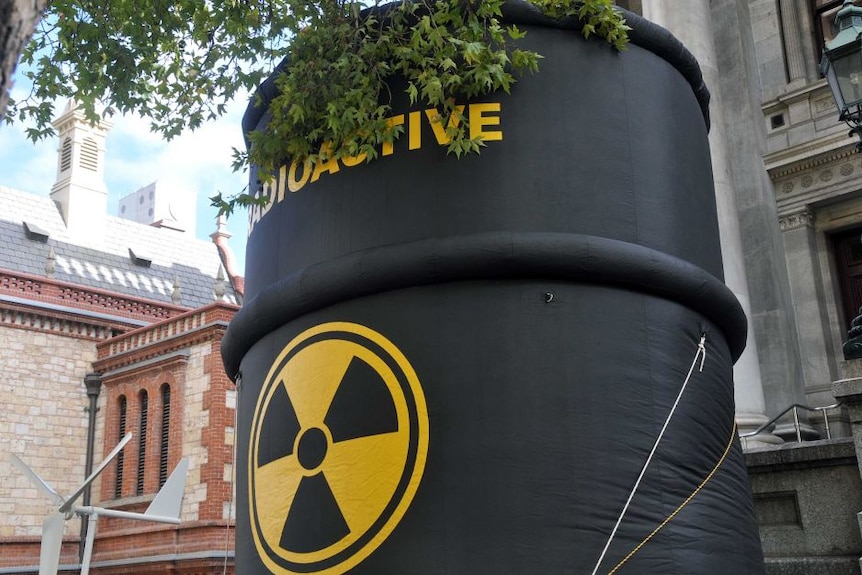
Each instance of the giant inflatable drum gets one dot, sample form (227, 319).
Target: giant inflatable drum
(460, 366)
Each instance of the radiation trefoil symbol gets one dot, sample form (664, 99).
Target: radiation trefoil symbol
(338, 446)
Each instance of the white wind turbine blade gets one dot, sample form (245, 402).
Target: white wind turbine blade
(55, 497)
(92, 523)
(169, 499)
(101, 467)
(52, 541)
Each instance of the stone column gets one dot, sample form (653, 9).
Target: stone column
(806, 25)
(691, 23)
(793, 52)
(803, 266)
(772, 311)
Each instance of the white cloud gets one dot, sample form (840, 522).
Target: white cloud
(197, 163)
(24, 165)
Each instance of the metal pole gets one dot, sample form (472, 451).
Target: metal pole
(93, 383)
(826, 421)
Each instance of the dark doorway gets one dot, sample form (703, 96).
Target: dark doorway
(848, 263)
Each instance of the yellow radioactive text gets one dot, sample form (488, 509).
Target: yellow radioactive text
(484, 122)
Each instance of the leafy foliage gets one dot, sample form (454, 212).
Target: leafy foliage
(178, 63)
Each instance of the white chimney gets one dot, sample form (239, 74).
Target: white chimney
(160, 206)
(80, 191)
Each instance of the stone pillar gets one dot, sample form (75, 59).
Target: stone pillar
(772, 312)
(793, 51)
(803, 266)
(692, 24)
(805, 22)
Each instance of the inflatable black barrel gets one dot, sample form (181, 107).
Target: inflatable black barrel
(461, 366)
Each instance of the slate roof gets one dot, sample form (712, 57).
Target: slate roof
(109, 266)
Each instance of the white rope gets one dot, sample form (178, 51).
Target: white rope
(232, 475)
(700, 354)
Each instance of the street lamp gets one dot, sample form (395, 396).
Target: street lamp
(842, 66)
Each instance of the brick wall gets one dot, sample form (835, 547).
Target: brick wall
(45, 405)
(131, 387)
(42, 289)
(198, 420)
(217, 437)
(43, 421)
(184, 353)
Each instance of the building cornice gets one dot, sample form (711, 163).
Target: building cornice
(42, 289)
(803, 92)
(823, 183)
(179, 356)
(826, 150)
(32, 316)
(124, 352)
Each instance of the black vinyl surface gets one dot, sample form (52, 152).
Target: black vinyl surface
(548, 297)
(541, 416)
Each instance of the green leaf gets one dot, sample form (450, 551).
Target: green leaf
(179, 64)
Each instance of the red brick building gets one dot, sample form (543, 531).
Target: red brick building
(139, 311)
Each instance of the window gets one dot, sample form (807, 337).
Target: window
(118, 483)
(165, 432)
(142, 443)
(66, 155)
(90, 154)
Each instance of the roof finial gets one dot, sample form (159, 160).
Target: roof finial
(175, 293)
(221, 229)
(50, 263)
(219, 284)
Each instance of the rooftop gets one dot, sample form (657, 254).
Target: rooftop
(131, 258)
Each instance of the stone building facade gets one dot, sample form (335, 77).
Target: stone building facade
(795, 177)
(172, 372)
(789, 179)
(141, 309)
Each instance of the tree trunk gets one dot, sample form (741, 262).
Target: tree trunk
(18, 19)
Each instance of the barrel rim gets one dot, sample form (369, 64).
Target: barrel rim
(577, 258)
(644, 33)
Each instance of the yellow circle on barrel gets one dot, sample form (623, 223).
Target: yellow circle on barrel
(337, 449)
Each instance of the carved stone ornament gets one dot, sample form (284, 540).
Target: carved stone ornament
(824, 105)
(800, 219)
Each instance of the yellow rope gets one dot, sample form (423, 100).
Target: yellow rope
(678, 509)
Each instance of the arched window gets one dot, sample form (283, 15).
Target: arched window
(142, 442)
(166, 430)
(118, 484)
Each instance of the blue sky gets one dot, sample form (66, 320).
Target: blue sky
(197, 163)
